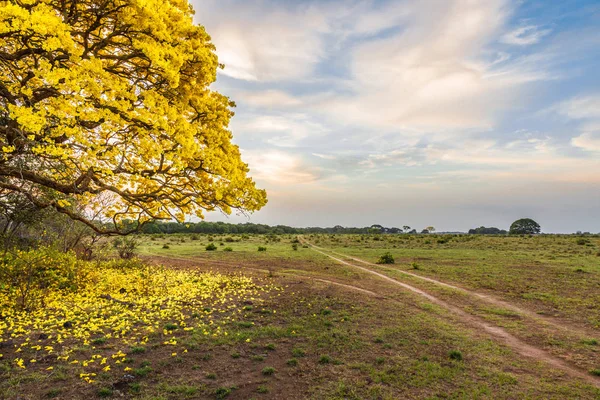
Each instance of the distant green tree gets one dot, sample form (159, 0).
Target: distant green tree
(524, 226)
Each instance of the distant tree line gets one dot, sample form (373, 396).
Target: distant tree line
(482, 230)
(225, 228)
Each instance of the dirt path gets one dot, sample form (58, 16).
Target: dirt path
(561, 325)
(498, 332)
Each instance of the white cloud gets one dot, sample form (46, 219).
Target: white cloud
(525, 35)
(269, 99)
(586, 111)
(587, 141)
(286, 130)
(279, 167)
(583, 107)
(432, 73)
(261, 43)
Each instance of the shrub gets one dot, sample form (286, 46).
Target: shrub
(261, 248)
(262, 389)
(211, 247)
(27, 277)
(294, 247)
(386, 258)
(455, 355)
(227, 249)
(582, 241)
(324, 360)
(298, 352)
(165, 246)
(126, 247)
(268, 371)
(229, 239)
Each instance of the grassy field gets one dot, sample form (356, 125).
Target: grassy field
(239, 323)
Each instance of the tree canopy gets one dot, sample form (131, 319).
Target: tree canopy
(482, 230)
(524, 226)
(111, 98)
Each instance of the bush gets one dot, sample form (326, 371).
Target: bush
(261, 248)
(211, 247)
(27, 277)
(386, 258)
(227, 249)
(229, 239)
(455, 355)
(582, 241)
(165, 246)
(126, 247)
(294, 247)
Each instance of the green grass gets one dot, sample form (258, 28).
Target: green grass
(349, 345)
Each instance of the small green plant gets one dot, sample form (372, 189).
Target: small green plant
(292, 362)
(325, 359)
(100, 340)
(235, 355)
(261, 248)
(298, 352)
(105, 392)
(270, 346)
(257, 357)
(222, 392)
(211, 375)
(143, 371)
(590, 342)
(268, 371)
(170, 326)
(165, 246)
(379, 360)
(386, 258)
(211, 247)
(262, 389)
(455, 355)
(227, 249)
(135, 387)
(294, 247)
(595, 372)
(415, 266)
(138, 350)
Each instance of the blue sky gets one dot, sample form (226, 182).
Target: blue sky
(453, 113)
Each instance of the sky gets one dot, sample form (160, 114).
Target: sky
(446, 113)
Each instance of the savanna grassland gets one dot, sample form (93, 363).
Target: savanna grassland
(275, 316)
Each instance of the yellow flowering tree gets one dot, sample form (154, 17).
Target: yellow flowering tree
(110, 99)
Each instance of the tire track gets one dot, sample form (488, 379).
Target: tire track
(495, 331)
(561, 325)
